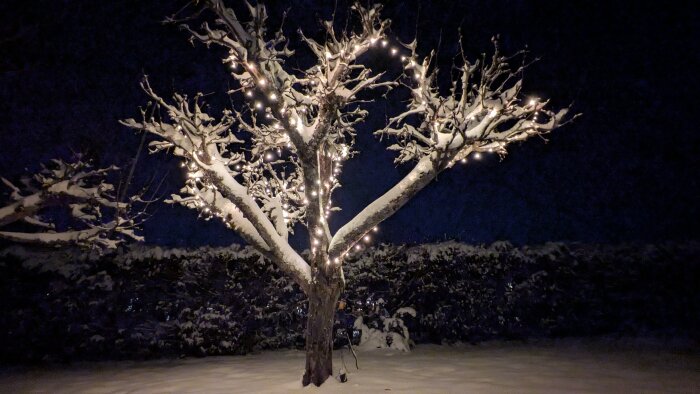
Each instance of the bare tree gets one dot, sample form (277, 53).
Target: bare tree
(275, 162)
(95, 216)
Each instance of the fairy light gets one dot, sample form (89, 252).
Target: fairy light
(385, 43)
(319, 231)
(533, 101)
(477, 156)
(269, 156)
(258, 105)
(262, 82)
(273, 97)
(358, 247)
(367, 238)
(249, 93)
(375, 229)
(394, 51)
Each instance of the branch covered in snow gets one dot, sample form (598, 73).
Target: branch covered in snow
(92, 215)
(252, 193)
(484, 111)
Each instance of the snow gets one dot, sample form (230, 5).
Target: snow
(548, 367)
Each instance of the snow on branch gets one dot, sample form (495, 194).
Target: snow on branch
(94, 215)
(252, 190)
(484, 111)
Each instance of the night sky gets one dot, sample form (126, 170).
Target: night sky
(627, 170)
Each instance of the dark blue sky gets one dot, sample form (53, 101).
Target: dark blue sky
(626, 171)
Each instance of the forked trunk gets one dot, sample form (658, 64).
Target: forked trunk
(319, 333)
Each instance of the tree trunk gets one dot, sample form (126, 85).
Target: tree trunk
(319, 332)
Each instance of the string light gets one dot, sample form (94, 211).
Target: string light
(477, 156)
(273, 97)
(394, 51)
(385, 43)
(258, 105)
(249, 93)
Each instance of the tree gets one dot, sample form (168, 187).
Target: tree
(273, 164)
(93, 215)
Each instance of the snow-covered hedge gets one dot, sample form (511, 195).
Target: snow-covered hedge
(151, 302)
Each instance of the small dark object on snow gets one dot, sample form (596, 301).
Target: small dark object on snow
(343, 376)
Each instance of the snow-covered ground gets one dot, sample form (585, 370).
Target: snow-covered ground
(552, 367)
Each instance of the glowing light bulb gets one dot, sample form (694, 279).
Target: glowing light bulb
(262, 82)
(367, 238)
(273, 97)
(463, 161)
(319, 231)
(477, 155)
(258, 105)
(316, 241)
(269, 156)
(533, 101)
(372, 40)
(375, 229)
(358, 247)
(394, 51)
(385, 43)
(249, 93)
